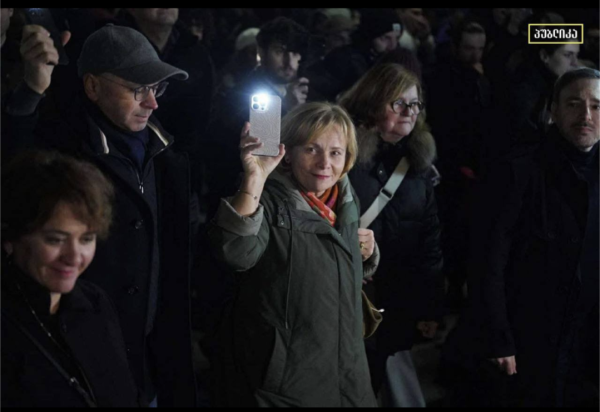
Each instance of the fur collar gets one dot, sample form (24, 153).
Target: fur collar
(420, 147)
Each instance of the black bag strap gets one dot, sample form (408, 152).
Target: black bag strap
(72, 381)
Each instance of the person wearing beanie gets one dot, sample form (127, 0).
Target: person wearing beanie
(337, 31)
(377, 34)
(145, 263)
(379, 31)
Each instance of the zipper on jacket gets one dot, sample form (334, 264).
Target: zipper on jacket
(135, 170)
(140, 181)
(287, 298)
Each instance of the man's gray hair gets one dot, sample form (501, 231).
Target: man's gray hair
(572, 76)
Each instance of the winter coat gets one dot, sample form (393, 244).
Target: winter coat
(296, 324)
(528, 102)
(124, 263)
(525, 283)
(88, 326)
(462, 118)
(409, 279)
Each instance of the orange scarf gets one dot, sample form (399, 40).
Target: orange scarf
(325, 204)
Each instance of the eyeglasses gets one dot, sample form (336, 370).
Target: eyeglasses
(141, 93)
(399, 106)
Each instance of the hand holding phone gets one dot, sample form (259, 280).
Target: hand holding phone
(43, 17)
(257, 167)
(39, 57)
(265, 123)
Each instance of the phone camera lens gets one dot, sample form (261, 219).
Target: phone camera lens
(255, 106)
(254, 98)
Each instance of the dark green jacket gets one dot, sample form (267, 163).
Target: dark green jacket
(297, 319)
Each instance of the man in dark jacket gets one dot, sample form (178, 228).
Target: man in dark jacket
(534, 277)
(144, 265)
(186, 107)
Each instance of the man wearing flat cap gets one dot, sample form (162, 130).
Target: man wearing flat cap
(144, 265)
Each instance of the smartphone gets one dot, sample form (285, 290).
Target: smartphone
(43, 17)
(265, 123)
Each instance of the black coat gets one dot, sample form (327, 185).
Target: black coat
(408, 282)
(88, 326)
(124, 262)
(460, 113)
(525, 281)
(528, 101)
(339, 70)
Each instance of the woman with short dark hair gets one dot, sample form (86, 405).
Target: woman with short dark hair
(61, 341)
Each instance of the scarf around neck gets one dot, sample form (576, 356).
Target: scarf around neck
(325, 204)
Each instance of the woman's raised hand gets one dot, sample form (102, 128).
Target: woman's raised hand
(257, 166)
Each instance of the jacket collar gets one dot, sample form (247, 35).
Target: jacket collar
(553, 154)
(420, 147)
(347, 209)
(298, 202)
(38, 296)
(100, 145)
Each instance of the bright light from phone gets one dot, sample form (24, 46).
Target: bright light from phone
(260, 101)
(261, 98)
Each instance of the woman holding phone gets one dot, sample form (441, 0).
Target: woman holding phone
(61, 340)
(291, 235)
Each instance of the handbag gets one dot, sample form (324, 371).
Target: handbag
(372, 316)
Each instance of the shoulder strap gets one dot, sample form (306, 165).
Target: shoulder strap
(386, 193)
(71, 380)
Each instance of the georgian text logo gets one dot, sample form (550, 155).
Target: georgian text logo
(546, 33)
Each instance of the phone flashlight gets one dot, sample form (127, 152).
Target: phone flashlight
(260, 101)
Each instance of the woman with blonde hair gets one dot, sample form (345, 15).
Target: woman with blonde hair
(394, 145)
(291, 234)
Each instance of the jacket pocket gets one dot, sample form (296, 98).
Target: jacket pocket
(276, 367)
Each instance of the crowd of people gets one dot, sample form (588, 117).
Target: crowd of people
(430, 160)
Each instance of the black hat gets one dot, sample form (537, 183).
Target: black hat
(127, 54)
(377, 22)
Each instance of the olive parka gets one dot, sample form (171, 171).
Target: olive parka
(296, 324)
